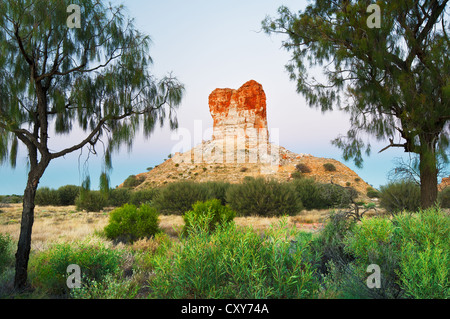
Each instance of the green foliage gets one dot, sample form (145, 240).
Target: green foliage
(133, 181)
(6, 252)
(63, 196)
(11, 199)
(46, 196)
(336, 196)
(67, 194)
(425, 272)
(128, 223)
(329, 167)
(178, 197)
(217, 190)
(412, 250)
(258, 196)
(91, 201)
(398, 196)
(142, 196)
(208, 214)
(237, 263)
(425, 253)
(48, 268)
(119, 197)
(329, 243)
(110, 287)
(444, 198)
(372, 193)
(310, 193)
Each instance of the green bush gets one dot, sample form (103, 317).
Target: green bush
(119, 197)
(142, 196)
(128, 223)
(399, 196)
(372, 193)
(425, 272)
(217, 190)
(444, 198)
(258, 196)
(329, 167)
(336, 196)
(48, 269)
(237, 263)
(208, 214)
(11, 199)
(310, 193)
(91, 201)
(46, 196)
(67, 194)
(6, 252)
(178, 197)
(329, 243)
(133, 181)
(412, 251)
(110, 287)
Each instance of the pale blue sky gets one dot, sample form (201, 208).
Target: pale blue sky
(211, 44)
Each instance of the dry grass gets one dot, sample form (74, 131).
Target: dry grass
(52, 224)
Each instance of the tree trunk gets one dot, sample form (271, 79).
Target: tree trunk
(24, 244)
(428, 172)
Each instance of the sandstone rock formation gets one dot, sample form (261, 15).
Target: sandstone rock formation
(444, 183)
(240, 147)
(240, 115)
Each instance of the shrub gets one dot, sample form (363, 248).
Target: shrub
(91, 201)
(329, 243)
(178, 197)
(110, 287)
(329, 167)
(11, 199)
(67, 194)
(444, 198)
(371, 242)
(237, 263)
(133, 181)
(208, 215)
(258, 196)
(399, 196)
(128, 223)
(412, 250)
(425, 253)
(336, 196)
(310, 193)
(302, 168)
(6, 252)
(217, 190)
(372, 193)
(425, 272)
(46, 196)
(119, 197)
(48, 269)
(142, 196)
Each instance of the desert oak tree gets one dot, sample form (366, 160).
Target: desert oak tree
(55, 77)
(391, 75)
